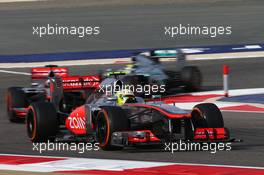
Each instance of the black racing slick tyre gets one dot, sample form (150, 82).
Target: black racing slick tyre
(191, 78)
(16, 98)
(207, 115)
(42, 122)
(109, 120)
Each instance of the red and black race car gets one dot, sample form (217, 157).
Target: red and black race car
(74, 90)
(133, 123)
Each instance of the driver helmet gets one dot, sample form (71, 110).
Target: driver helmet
(125, 96)
(129, 68)
(50, 75)
(47, 83)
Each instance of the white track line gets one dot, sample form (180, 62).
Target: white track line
(233, 92)
(222, 104)
(222, 56)
(66, 63)
(14, 72)
(218, 56)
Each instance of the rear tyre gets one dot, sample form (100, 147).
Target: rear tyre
(16, 98)
(191, 78)
(207, 115)
(41, 122)
(109, 120)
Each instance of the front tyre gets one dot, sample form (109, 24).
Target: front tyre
(207, 115)
(204, 115)
(41, 122)
(109, 120)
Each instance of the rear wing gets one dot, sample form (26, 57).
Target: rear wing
(157, 55)
(81, 82)
(161, 53)
(43, 72)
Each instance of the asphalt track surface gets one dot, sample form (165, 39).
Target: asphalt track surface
(245, 73)
(127, 26)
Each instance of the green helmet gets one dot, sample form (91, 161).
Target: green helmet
(125, 96)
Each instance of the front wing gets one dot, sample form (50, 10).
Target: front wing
(146, 137)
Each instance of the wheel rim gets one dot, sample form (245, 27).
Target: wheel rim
(30, 124)
(102, 129)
